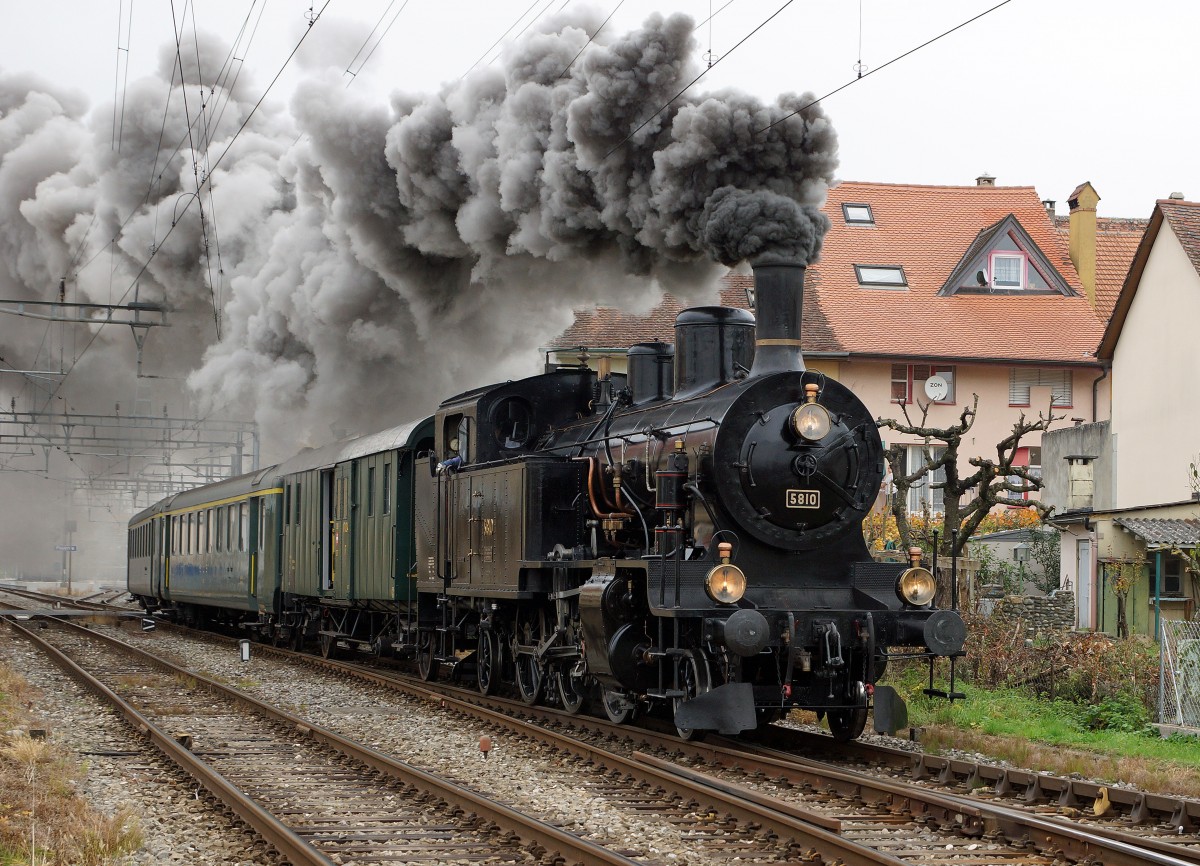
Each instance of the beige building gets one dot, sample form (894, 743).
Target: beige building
(1123, 487)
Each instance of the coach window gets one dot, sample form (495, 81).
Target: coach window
(262, 524)
(287, 504)
(298, 500)
(387, 487)
(370, 491)
(243, 524)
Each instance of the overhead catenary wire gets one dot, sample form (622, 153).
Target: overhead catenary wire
(249, 116)
(121, 82)
(688, 86)
(354, 73)
(498, 41)
(899, 57)
(590, 38)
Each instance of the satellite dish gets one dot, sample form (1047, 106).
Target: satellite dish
(937, 388)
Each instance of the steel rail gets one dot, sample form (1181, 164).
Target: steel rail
(284, 840)
(530, 830)
(971, 816)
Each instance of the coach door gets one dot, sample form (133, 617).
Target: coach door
(341, 529)
(158, 533)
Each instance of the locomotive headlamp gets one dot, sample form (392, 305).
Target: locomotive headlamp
(726, 583)
(811, 420)
(916, 586)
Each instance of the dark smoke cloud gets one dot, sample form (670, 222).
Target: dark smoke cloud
(367, 260)
(761, 225)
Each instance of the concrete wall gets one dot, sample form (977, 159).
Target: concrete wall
(1084, 439)
(1156, 400)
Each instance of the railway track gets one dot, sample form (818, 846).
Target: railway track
(790, 797)
(317, 797)
(911, 823)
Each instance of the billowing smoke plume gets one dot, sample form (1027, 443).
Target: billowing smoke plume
(761, 225)
(363, 261)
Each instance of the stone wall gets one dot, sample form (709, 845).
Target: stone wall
(1042, 615)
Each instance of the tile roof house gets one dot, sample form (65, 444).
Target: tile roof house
(975, 284)
(1141, 498)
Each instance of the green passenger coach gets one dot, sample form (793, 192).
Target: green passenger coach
(319, 547)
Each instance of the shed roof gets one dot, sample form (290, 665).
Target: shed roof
(1162, 532)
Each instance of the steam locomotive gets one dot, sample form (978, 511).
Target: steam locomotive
(684, 538)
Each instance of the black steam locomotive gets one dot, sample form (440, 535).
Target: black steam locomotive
(685, 537)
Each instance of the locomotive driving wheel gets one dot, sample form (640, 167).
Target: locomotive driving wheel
(617, 705)
(846, 724)
(488, 661)
(530, 673)
(694, 680)
(571, 688)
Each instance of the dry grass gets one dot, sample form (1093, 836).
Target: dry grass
(43, 822)
(1145, 773)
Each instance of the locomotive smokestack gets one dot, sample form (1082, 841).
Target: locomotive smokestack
(778, 301)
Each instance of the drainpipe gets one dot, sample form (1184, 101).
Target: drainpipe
(1095, 385)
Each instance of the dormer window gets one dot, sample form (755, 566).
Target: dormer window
(858, 214)
(883, 276)
(1004, 260)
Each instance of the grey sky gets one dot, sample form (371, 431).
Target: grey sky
(1036, 93)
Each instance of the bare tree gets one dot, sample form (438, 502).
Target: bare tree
(966, 499)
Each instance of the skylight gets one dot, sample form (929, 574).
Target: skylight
(859, 214)
(891, 276)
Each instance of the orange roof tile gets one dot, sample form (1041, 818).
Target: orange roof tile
(1117, 240)
(926, 230)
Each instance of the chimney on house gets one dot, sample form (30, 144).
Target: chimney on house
(985, 179)
(1048, 204)
(1176, 196)
(1080, 482)
(1083, 203)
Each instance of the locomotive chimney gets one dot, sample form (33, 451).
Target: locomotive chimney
(779, 299)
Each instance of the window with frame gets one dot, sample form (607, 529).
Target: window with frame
(387, 487)
(858, 214)
(1021, 379)
(881, 276)
(1172, 577)
(908, 381)
(370, 491)
(922, 496)
(1008, 270)
(243, 525)
(298, 500)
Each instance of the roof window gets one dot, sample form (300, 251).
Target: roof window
(858, 214)
(890, 276)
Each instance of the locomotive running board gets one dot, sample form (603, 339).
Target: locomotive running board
(728, 709)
